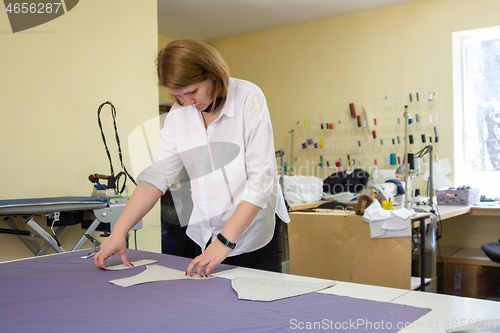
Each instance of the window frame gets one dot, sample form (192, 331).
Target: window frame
(460, 39)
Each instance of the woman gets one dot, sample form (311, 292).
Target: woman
(220, 131)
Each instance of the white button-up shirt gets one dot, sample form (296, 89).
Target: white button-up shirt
(231, 160)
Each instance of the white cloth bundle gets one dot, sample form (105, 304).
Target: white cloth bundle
(388, 223)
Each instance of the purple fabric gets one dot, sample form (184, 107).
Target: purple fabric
(64, 293)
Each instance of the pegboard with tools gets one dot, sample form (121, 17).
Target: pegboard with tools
(329, 142)
(387, 125)
(366, 137)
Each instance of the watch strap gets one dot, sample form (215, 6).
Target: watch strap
(225, 241)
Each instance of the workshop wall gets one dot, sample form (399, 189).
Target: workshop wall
(322, 66)
(318, 68)
(163, 94)
(54, 77)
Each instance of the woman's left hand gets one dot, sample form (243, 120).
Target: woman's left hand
(213, 255)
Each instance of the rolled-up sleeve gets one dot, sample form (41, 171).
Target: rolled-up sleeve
(166, 163)
(260, 160)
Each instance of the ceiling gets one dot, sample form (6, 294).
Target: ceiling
(214, 19)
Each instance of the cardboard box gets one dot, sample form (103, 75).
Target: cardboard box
(470, 280)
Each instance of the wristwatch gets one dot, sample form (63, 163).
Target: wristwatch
(225, 241)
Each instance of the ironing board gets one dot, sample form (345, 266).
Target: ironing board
(105, 210)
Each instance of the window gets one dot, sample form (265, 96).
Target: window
(476, 91)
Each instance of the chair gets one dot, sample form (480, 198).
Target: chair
(492, 250)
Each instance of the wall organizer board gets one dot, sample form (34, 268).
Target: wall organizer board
(366, 136)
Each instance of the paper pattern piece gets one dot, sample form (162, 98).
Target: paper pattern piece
(256, 289)
(155, 273)
(388, 223)
(135, 263)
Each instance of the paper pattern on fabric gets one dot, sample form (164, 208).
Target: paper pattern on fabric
(135, 263)
(388, 223)
(257, 289)
(155, 273)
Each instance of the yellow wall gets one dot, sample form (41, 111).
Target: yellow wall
(54, 77)
(163, 92)
(323, 66)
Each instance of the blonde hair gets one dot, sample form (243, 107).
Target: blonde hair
(187, 61)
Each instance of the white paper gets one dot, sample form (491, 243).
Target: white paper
(135, 263)
(155, 273)
(258, 289)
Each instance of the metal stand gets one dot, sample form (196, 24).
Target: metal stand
(281, 154)
(95, 246)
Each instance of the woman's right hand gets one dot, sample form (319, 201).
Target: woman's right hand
(115, 244)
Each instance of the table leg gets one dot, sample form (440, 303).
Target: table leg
(423, 226)
(45, 235)
(26, 242)
(89, 231)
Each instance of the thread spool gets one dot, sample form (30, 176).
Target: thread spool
(411, 138)
(411, 161)
(387, 160)
(353, 110)
(393, 159)
(417, 164)
(423, 138)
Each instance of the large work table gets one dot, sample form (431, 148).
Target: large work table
(65, 293)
